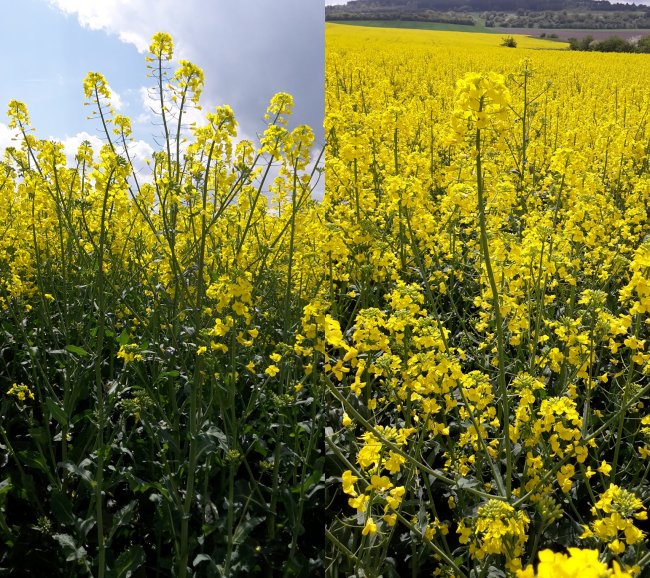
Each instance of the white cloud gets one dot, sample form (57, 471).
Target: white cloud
(249, 49)
(140, 152)
(116, 99)
(122, 17)
(7, 137)
(134, 21)
(71, 145)
(149, 105)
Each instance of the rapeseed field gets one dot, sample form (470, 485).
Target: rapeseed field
(486, 338)
(442, 365)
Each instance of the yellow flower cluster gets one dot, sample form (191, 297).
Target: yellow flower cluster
(576, 564)
(617, 508)
(498, 530)
(129, 353)
(481, 102)
(21, 392)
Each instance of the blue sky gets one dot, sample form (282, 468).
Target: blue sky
(249, 50)
(47, 74)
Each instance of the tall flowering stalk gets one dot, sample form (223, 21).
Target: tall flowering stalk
(482, 105)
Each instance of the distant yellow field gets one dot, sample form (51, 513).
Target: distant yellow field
(583, 92)
(389, 36)
(438, 54)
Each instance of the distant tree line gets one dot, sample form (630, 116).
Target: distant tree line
(611, 44)
(565, 19)
(500, 13)
(424, 16)
(493, 5)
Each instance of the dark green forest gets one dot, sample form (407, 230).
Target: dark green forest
(591, 14)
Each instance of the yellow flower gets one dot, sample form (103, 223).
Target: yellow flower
(616, 527)
(394, 499)
(370, 453)
(617, 547)
(577, 564)
(605, 468)
(370, 527)
(380, 483)
(359, 502)
(390, 519)
(497, 529)
(348, 483)
(272, 370)
(394, 462)
(129, 353)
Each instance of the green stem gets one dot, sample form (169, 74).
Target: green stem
(196, 390)
(230, 517)
(505, 405)
(621, 413)
(99, 387)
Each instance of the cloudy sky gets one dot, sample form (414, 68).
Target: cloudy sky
(249, 50)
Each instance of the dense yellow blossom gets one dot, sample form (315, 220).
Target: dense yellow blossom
(487, 214)
(577, 564)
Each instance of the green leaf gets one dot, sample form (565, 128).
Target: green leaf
(56, 412)
(466, 483)
(123, 338)
(83, 527)
(128, 561)
(33, 460)
(122, 518)
(61, 508)
(310, 481)
(80, 351)
(39, 435)
(201, 558)
(70, 549)
(244, 529)
(73, 468)
(5, 486)
(172, 373)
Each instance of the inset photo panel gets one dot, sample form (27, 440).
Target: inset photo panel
(486, 328)
(162, 410)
